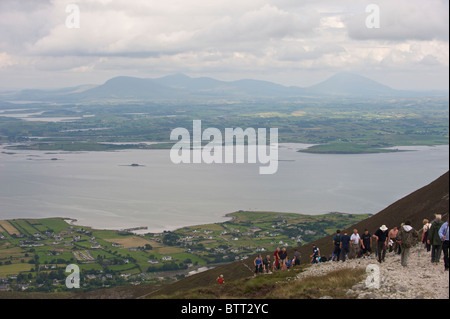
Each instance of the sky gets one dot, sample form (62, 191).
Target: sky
(58, 43)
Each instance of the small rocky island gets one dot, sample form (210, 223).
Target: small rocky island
(133, 165)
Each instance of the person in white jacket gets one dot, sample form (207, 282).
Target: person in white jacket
(355, 241)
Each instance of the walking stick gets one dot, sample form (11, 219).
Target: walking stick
(418, 254)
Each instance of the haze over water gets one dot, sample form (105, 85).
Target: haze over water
(102, 190)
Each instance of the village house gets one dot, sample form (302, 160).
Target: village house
(22, 287)
(4, 287)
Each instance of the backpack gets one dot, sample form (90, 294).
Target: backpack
(337, 240)
(425, 234)
(409, 239)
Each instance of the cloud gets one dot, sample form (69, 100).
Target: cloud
(402, 20)
(121, 31)
(23, 22)
(251, 38)
(7, 60)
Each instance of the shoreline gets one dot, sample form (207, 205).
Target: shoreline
(132, 230)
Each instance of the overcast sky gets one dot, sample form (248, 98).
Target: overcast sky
(291, 42)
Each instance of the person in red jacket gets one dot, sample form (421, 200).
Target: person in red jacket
(276, 257)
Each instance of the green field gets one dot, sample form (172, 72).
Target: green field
(14, 269)
(39, 254)
(341, 125)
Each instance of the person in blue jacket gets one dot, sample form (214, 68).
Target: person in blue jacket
(345, 245)
(315, 255)
(443, 234)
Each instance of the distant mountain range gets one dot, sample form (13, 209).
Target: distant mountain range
(182, 87)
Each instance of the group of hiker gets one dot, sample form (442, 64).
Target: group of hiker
(400, 240)
(356, 245)
(281, 261)
(435, 238)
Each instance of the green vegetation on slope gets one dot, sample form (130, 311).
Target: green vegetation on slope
(278, 285)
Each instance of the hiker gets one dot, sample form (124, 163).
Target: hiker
(443, 234)
(393, 246)
(355, 240)
(258, 264)
(426, 228)
(434, 240)
(407, 237)
(345, 245)
(297, 256)
(337, 245)
(382, 242)
(220, 280)
(266, 264)
(323, 259)
(283, 258)
(366, 243)
(276, 259)
(400, 247)
(288, 263)
(315, 254)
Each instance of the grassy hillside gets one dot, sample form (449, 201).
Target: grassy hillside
(279, 285)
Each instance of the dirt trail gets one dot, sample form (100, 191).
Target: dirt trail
(420, 280)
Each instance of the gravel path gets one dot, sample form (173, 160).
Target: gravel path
(420, 280)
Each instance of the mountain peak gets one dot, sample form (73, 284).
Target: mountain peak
(346, 83)
(176, 77)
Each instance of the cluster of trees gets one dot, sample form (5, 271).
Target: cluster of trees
(170, 239)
